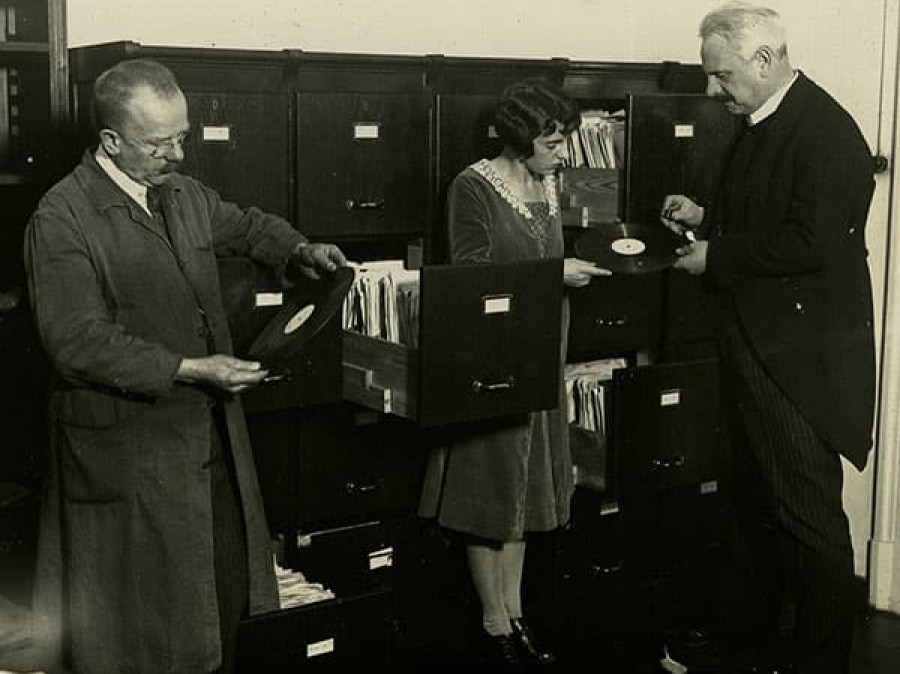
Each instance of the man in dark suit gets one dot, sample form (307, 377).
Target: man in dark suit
(782, 249)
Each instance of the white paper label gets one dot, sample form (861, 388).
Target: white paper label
(320, 647)
(380, 559)
(365, 131)
(498, 304)
(710, 487)
(269, 299)
(669, 398)
(216, 134)
(684, 130)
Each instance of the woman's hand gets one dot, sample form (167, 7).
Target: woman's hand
(578, 272)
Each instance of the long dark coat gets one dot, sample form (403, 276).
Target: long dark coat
(126, 550)
(788, 245)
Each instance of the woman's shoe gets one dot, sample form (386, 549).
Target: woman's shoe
(502, 651)
(529, 649)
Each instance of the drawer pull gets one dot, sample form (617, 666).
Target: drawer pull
(598, 571)
(353, 488)
(610, 321)
(353, 205)
(665, 464)
(481, 387)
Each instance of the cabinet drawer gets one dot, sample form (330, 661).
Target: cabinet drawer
(338, 635)
(666, 427)
(616, 314)
(489, 345)
(346, 557)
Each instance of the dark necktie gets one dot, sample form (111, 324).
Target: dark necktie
(154, 204)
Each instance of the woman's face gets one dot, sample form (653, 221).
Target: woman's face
(550, 153)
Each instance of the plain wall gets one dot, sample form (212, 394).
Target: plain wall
(837, 43)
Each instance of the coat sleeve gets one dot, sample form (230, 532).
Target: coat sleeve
(468, 222)
(827, 167)
(75, 324)
(267, 238)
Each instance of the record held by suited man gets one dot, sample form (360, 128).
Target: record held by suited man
(627, 248)
(306, 310)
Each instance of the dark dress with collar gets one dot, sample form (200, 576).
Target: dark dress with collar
(501, 478)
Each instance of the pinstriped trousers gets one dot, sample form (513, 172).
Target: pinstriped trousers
(787, 492)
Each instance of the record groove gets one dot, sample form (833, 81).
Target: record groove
(629, 248)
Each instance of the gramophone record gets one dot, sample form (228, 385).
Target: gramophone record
(628, 248)
(307, 307)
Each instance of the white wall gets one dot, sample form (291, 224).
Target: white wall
(836, 42)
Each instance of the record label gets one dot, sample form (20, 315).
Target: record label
(299, 319)
(628, 246)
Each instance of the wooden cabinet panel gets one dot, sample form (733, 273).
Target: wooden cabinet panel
(363, 163)
(239, 145)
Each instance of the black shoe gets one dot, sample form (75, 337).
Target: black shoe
(502, 651)
(529, 649)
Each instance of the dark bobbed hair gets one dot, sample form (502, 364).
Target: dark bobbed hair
(530, 109)
(115, 87)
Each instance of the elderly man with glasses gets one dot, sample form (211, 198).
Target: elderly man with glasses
(153, 540)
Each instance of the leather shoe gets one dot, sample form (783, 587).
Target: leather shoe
(528, 646)
(502, 651)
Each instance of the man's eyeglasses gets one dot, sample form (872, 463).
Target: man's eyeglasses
(158, 148)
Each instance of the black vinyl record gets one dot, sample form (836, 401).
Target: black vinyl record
(307, 308)
(625, 248)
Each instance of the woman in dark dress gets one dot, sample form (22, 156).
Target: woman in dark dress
(500, 479)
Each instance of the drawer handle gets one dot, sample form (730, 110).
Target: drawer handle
(610, 322)
(353, 488)
(481, 387)
(598, 571)
(665, 464)
(353, 205)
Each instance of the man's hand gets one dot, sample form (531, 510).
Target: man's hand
(578, 272)
(680, 214)
(314, 257)
(225, 373)
(692, 258)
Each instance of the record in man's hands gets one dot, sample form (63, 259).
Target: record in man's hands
(627, 248)
(307, 308)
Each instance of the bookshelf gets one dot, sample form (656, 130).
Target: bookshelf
(33, 89)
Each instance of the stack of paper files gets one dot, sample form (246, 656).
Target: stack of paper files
(586, 391)
(295, 590)
(383, 302)
(599, 141)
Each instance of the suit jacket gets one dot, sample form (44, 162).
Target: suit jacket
(787, 251)
(126, 551)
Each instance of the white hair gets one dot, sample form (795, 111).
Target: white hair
(746, 28)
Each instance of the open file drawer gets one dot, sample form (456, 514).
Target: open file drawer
(489, 346)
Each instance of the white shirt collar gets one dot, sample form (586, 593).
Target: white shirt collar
(130, 186)
(771, 105)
